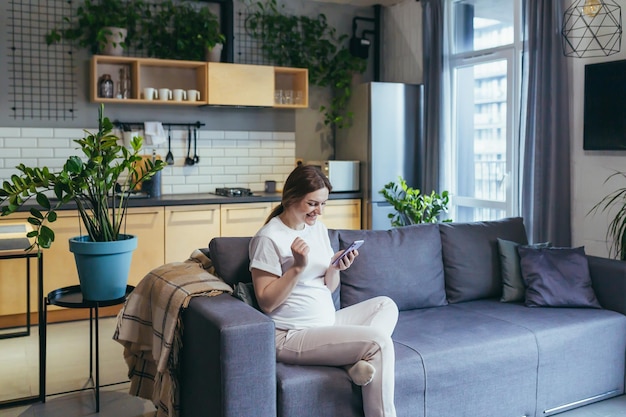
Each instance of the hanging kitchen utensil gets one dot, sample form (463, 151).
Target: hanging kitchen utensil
(169, 158)
(189, 160)
(196, 158)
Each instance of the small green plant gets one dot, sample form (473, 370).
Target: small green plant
(87, 28)
(616, 233)
(90, 182)
(308, 42)
(413, 207)
(179, 31)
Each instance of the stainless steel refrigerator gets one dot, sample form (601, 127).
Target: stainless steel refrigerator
(386, 136)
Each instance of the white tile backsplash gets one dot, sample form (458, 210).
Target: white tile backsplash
(227, 158)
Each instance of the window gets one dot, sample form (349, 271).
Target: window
(480, 163)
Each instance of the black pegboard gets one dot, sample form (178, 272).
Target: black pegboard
(42, 81)
(247, 49)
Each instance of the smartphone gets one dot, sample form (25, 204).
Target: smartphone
(354, 245)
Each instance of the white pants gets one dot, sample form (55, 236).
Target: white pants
(361, 332)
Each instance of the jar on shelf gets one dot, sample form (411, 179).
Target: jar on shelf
(106, 87)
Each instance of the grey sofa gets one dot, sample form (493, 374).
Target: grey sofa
(460, 351)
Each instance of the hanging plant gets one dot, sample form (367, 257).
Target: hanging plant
(308, 42)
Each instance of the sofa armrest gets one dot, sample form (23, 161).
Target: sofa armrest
(228, 360)
(608, 277)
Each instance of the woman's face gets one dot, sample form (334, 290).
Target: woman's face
(311, 206)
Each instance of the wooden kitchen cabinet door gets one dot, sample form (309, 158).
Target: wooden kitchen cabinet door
(240, 85)
(188, 228)
(243, 219)
(342, 214)
(148, 224)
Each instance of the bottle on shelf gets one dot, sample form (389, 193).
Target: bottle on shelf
(105, 87)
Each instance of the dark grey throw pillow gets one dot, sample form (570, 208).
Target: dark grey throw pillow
(230, 258)
(557, 277)
(513, 288)
(402, 263)
(471, 259)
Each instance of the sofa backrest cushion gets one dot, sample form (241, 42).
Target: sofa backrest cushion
(471, 258)
(402, 263)
(230, 258)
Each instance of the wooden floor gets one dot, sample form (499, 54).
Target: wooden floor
(68, 369)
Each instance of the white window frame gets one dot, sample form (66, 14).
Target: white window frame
(512, 54)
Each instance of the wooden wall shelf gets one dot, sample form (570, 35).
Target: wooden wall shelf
(219, 83)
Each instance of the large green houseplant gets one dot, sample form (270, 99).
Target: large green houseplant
(90, 183)
(413, 207)
(312, 43)
(615, 202)
(96, 24)
(179, 31)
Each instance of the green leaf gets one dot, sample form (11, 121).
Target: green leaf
(36, 213)
(46, 237)
(43, 201)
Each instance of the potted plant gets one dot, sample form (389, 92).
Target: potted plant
(90, 183)
(103, 26)
(616, 233)
(312, 43)
(180, 31)
(413, 207)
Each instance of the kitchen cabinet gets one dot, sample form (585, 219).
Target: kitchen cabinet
(342, 214)
(219, 83)
(243, 219)
(244, 85)
(188, 228)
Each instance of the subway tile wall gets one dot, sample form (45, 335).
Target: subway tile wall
(227, 158)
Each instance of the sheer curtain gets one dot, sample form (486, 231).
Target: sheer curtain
(545, 191)
(432, 35)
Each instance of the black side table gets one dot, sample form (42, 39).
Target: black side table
(72, 297)
(15, 253)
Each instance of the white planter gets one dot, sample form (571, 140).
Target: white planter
(214, 54)
(115, 38)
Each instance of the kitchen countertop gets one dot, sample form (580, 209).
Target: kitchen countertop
(209, 198)
(201, 198)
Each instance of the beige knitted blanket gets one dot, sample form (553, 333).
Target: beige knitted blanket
(149, 326)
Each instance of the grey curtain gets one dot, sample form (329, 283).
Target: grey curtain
(432, 35)
(545, 195)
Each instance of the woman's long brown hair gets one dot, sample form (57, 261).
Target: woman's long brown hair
(304, 179)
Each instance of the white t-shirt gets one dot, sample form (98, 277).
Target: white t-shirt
(310, 304)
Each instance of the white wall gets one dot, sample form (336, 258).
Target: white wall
(227, 158)
(590, 168)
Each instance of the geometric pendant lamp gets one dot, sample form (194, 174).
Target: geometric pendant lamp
(592, 28)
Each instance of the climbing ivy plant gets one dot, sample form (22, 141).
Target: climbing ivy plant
(307, 42)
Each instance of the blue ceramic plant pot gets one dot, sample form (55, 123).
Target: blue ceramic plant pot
(103, 267)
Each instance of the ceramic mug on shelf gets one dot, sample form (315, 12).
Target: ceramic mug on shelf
(149, 93)
(179, 94)
(193, 95)
(165, 94)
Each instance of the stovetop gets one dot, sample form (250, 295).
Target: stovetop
(233, 192)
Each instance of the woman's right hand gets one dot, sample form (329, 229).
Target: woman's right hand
(300, 251)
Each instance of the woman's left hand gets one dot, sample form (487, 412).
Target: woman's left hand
(345, 262)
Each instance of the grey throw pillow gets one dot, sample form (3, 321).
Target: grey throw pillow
(557, 277)
(471, 259)
(402, 263)
(513, 288)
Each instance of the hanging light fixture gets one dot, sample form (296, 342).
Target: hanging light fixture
(592, 28)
